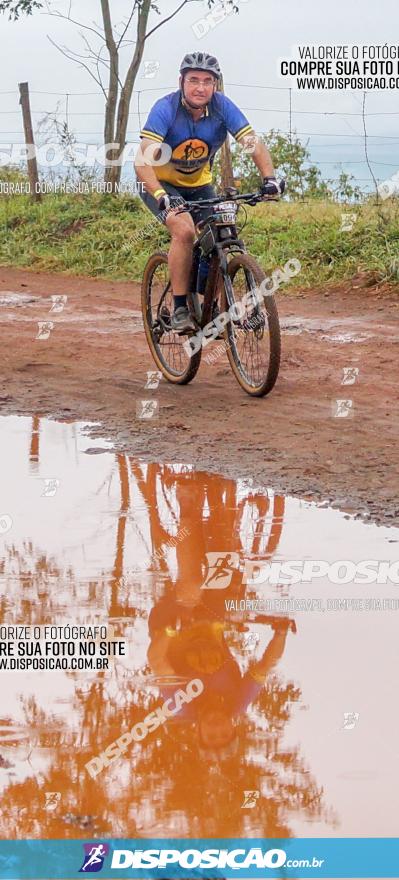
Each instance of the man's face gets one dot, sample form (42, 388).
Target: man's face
(216, 729)
(199, 87)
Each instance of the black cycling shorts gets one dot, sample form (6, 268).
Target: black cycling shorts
(189, 193)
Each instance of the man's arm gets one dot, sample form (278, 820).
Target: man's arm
(258, 151)
(241, 129)
(153, 136)
(157, 653)
(260, 670)
(256, 676)
(145, 172)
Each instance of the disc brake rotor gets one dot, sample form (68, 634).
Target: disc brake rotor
(255, 324)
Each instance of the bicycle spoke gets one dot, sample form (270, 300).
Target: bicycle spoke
(254, 339)
(169, 344)
(252, 342)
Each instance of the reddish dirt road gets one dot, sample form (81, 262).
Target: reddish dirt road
(93, 368)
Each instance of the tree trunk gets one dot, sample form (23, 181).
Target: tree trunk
(29, 140)
(113, 80)
(226, 162)
(113, 173)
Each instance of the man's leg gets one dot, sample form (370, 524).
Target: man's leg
(182, 230)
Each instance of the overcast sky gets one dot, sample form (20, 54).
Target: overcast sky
(249, 46)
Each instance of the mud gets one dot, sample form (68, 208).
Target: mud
(94, 363)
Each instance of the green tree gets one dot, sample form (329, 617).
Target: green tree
(344, 189)
(15, 8)
(290, 157)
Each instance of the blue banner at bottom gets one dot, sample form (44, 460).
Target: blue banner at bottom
(189, 858)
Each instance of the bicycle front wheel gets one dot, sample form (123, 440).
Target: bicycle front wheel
(166, 346)
(253, 335)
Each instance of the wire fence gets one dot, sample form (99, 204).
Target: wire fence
(354, 150)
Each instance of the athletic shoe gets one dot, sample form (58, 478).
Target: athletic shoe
(181, 320)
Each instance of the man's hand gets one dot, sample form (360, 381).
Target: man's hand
(168, 203)
(163, 201)
(283, 624)
(271, 188)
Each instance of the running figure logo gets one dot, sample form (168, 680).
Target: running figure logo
(52, 800)
(94, 857)
(220, 570)
(250, 800)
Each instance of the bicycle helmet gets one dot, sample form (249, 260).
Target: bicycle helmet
(201, 61)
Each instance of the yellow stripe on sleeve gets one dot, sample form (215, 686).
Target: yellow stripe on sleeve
(243, 132)
(151, 135)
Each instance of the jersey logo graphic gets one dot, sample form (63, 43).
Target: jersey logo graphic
(190, 154)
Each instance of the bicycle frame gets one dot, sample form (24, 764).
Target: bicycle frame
(218, 258)
(218, 265)
(217, 254)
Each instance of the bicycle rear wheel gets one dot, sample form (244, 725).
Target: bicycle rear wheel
(166, 346)
(253, 340)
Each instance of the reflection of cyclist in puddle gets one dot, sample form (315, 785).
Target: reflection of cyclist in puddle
(215, 521)
(188, 626)
(198, 649)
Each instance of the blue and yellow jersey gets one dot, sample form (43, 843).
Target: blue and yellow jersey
(193, 144)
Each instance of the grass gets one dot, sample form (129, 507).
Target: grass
(112, 237)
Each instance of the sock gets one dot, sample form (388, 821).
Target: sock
(180, 300)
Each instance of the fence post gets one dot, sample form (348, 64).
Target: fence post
(28, 129)
(226, 162)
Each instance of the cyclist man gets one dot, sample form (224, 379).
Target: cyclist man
(193, 122)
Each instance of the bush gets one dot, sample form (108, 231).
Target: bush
(113, 236)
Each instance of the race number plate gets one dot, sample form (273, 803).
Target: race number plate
(229, 217)
(226, 212)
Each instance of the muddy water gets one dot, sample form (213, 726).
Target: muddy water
(340, 330)
(299, 706)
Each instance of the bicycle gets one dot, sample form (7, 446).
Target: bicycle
(251, 333)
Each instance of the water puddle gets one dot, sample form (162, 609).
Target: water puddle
(10, 298)
(339, 330)
(294, 732)
(345, 338)
(127, 320)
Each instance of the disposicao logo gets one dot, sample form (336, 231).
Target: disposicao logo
(95, 854)
(238, 860)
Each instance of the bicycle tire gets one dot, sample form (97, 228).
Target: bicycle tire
(176, 378)
(246, 262)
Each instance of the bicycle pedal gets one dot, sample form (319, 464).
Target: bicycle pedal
(184, 332)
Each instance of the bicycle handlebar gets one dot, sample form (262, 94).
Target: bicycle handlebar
(249, 198)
